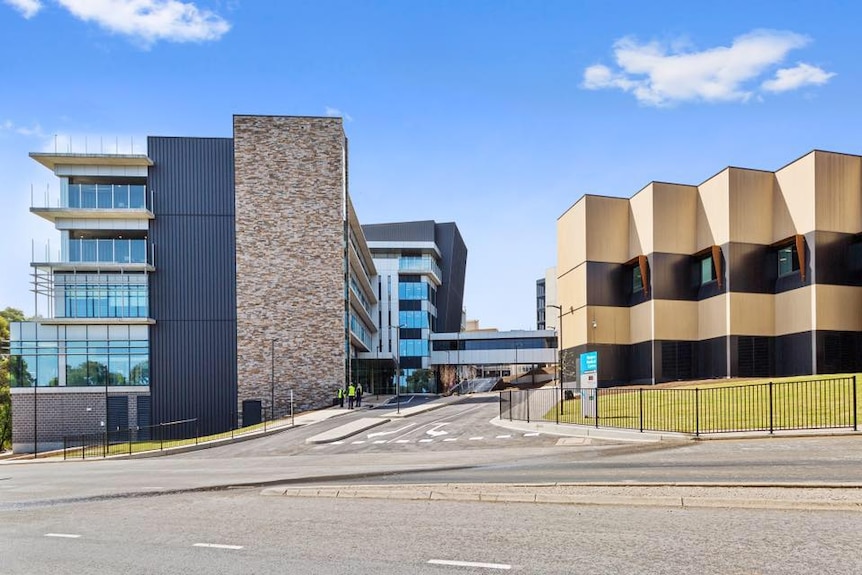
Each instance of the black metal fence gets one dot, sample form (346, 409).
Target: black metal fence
(131, 440)
(769, 407)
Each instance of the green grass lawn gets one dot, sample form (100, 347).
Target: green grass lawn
(796, 403)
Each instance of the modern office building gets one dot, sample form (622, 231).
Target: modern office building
(750, 273)
(420, 290)
(546, 297)
(203, 274)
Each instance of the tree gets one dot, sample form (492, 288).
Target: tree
(419, 379)
(7, 316)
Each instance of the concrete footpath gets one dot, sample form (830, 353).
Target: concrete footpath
(844, 498)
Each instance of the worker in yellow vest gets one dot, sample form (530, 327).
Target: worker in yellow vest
(351, 395)
(339, 395)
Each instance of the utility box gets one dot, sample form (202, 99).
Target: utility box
(589, 394)
(251, 412)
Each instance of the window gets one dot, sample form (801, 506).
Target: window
(707, 270)
(788, 260)
(637, 280)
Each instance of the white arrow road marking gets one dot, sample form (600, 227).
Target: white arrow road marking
(382, 433)
(433, 432)
(470, 564)
(217, 546)
(64, 535)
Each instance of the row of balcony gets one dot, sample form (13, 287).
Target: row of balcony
(101, 197)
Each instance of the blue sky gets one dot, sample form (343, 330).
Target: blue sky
(497, 115)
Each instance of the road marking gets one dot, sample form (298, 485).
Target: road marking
(531, 435)
(337, 443)
(379, 441)
(425, 440)
(357, 442)
(402, 441)
(382, 433)
(434, 432)
(477, 438)
(470, 564)
(217, 546)
(504, 436)
(63, 535)
(451, 439)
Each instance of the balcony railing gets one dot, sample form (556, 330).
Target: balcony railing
(98, 197)
(419, 264)
(121, 251)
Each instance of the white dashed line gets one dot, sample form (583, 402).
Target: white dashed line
(379, 441)
(425, 440)
(357, 442)
(531, 435)
(217, 546)
(337, 443)
(402, 441)
(63, 535)
(477, 438)
(504, 437)
(451, 439)
(470, 564)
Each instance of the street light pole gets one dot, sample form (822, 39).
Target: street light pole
(559, 308)
(397, 366)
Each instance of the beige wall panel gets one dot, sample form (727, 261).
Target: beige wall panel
(712, 317)
(675, 320)
(751, 206)
(752, 314)
(607, 221)
(575, 328)
(612, 325)
(571, 290)
(640, 322)
(794, 201)
(675, 218)
(793, 311)
(839, 192)
(839, 308)
(571, 237)
(641, 223)
(713, 221)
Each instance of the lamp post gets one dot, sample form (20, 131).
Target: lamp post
(559, 308)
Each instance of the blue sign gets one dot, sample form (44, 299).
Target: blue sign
(590, 362)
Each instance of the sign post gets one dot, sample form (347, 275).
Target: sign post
(589, 381)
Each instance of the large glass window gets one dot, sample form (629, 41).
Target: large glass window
(105, 300)
(413, 291)
(788, 260)
(414, 319)
(108, 250)
(413, 348)
(707, 270)
(637, 280)
(107, 196)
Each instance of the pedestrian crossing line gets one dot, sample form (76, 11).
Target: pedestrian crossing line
(451, 439)
(337, 443)
(402, 441)
(379, 441)
(480, 438)
(504, 437)
(361, 441)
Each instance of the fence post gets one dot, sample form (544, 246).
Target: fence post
(559, 411)
(528, 404)
(83, 448)
(105, 443)
(161, 438)
(771, 425)
(597, 405)
(696, 412)
(501, 405)
(510, 405)
(197, 430)
(64, 448)
(129, 434)
(641, 407)
(855, 416)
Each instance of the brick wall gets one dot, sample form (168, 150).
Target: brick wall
(290, 177)
(60, 413)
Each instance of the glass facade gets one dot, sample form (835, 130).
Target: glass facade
(86, 296)
(424, 263)
(414, 319)
(106, 196)
(707, 270)
(78, 356)
(108, 250)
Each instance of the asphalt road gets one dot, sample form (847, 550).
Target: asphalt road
(238, 531)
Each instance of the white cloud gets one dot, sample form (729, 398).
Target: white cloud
(659, 75)
(792, 78)
(335, 112)
(34, 131)
(28, 8)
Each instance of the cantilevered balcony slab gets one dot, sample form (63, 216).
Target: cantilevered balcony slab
(53, 214)
(98, 321)
(51, 161)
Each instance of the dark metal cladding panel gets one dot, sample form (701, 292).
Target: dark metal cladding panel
(422, 231)
(193, 290)
(450, 296)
